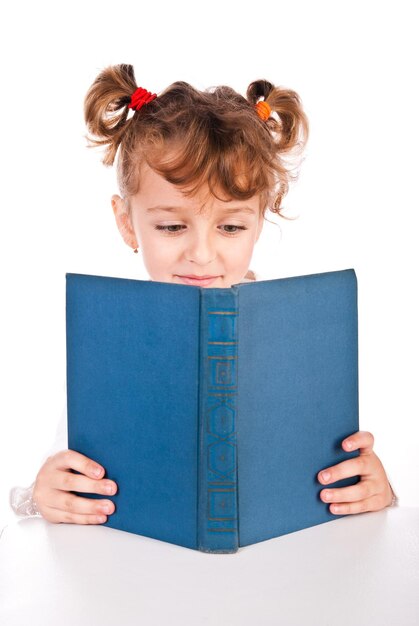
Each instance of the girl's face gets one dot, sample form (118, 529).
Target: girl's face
(180, 245)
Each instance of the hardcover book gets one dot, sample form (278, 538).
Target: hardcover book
(213, 409)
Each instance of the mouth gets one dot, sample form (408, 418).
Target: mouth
(200, 281)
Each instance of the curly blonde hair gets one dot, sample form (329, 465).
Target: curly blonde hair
(191, 137)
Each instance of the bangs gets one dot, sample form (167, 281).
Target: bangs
(206, 156)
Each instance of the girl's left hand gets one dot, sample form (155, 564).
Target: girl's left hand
(372, 493)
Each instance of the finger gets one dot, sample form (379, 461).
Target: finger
(361, 440)
(361, 506)
(56, 516)
(66, 481)
(354, 493)
(70, 459)
(345, 469)
(71, 503)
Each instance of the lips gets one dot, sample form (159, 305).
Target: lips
(199, 281)
(197, 277)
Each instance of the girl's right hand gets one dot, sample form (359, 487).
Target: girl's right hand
(54, 482)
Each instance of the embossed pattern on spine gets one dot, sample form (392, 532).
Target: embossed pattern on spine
(218, 524)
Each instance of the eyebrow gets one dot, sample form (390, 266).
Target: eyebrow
(169, 209)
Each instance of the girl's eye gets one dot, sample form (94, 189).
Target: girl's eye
(169, 231)
(166, 229)
(229, 232)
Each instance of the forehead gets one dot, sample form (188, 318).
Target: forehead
(157, 195)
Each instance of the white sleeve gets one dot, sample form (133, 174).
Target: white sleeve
(395, 500)
(388, 463)
(20, 498)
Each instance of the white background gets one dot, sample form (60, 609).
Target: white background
(353, 65)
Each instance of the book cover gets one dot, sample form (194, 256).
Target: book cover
(213, 409)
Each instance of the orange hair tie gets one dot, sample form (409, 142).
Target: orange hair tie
(263, 110)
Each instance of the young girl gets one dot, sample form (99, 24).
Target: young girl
(197, 171)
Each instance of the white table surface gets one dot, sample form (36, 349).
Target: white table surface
(358, 570)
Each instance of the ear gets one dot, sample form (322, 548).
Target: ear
(123, 221)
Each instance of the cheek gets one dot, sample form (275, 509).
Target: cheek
(158, 254)
(247, 245)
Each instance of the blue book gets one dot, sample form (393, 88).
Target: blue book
(213, 409)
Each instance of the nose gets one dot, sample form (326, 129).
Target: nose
(201, 248)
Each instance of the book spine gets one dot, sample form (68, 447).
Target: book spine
(217, 445)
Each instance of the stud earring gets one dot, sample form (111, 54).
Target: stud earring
(136, 250)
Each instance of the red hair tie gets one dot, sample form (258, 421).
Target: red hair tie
(263, 110)
(140, 97)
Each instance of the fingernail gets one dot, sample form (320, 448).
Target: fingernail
(327, 495)
(105, 509)
(97, 471)
(349, 445)
(110, 489)
(325, 475)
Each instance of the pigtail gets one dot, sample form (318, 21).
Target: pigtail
(289, 130)
(106, 108)
(292, 126)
